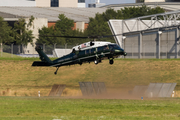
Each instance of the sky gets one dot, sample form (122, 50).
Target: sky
(107, 2)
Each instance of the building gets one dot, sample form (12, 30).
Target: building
(43, 3)
(24, 3)
(95, 4)
(154, 0)
(139, 1)
(81, 3)
(167, 6)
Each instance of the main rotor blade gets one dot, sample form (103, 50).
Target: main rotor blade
(93, 37)
(111, 35)
(62, 36)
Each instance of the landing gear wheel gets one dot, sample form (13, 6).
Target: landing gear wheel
(111, 61)
(56, 70)
(96, 62)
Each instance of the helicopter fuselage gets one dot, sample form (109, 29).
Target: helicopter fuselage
(92, 53)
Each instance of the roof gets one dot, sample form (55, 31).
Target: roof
(52, 13)
(77, 14)
(168, 6)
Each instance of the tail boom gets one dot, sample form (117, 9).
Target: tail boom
(45, 61)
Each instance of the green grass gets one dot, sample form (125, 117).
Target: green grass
(8, 55)
(24, 80)
(27, 108)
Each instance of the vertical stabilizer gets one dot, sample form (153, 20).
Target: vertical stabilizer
(42, 55)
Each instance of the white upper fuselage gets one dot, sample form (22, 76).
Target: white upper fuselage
(87, 45)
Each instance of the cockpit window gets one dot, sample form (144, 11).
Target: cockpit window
(114, 46)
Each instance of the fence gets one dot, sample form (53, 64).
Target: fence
(21, 50)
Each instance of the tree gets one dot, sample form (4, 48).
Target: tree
(63, 27)
(44, 39)
(23, 34)
(5, 32)
(98, 26)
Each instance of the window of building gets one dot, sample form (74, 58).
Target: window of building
(54, 3)
(81, 1)
(91, 5)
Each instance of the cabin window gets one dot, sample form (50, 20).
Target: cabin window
(114, 46)
(87, 51)
(110, 47)
(93, 50)
(106, 47)
(82, 53)
(99, 49)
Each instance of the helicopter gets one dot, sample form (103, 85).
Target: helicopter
(93, 51)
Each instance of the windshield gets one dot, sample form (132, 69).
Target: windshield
(114, 46)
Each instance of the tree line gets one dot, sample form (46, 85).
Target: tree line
(98, 26)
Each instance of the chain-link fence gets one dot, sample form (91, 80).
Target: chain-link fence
(22, 50)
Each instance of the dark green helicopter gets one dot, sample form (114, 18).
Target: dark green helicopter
(94, 51)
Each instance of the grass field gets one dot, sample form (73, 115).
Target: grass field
(7, 55)
(33, 108)
(23, 80)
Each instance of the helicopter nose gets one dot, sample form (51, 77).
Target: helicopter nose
(117, 51)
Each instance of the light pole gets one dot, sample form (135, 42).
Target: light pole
(54, 46)
(132, 49)
(144, 50)
(66, 46)
(166, 50)
(12, 49)
(155, 50)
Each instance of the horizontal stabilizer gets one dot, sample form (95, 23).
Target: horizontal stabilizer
(39, 63)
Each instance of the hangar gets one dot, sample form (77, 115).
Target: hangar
(152, 36)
